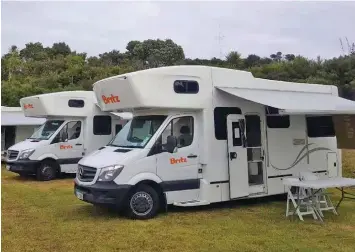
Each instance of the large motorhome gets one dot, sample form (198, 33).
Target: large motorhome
(202, 134)
(75, 126)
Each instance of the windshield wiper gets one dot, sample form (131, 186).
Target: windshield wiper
(114, 145)
(124, 146)
(129, 146)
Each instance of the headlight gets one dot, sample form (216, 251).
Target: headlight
(26, 154)
(110, 173)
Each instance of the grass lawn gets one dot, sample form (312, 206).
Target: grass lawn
(46, 216)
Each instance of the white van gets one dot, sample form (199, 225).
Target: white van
(74, 127)
(202, 134)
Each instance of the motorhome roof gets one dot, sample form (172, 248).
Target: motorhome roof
(155, 88)
(13, 116)
(66, 103)
(239, 78)
(71, 94)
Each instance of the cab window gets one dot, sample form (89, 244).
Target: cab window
(182, 128)
(71, 131)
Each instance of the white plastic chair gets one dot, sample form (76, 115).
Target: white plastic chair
(323, 201)
(305, 205)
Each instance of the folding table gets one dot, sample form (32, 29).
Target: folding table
(314, 187)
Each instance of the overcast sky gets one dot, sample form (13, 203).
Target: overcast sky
(310, 29)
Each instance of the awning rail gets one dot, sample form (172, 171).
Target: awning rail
(295, 102)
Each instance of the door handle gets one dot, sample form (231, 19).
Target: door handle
(232, 155)
(192, 156)
(78, 144)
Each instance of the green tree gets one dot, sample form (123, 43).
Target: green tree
(234, 60)
(36, 69)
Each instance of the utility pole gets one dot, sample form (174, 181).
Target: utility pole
(220, 37)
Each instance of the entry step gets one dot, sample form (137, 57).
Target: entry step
(192, 203)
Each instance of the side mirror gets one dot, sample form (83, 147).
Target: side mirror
(171, 143)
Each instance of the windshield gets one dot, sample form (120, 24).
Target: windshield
(47, 130)
(137, 132)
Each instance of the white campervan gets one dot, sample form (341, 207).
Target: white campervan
(203, 134)
(74, 127)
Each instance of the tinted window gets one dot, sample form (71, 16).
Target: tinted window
(76, 103)
(220, 120)
(271, 110)
(186, 87)
(102, 125)
(253, 130)
(320, 126)
(278, 122)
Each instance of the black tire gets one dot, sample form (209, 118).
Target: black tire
(47, 171)
(142, 203)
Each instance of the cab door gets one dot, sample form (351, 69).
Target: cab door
(179, 170)
(237, 157)
(70, 146)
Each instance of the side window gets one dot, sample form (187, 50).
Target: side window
(71, 130)
(102, 125)
(186, 87)
(276, 121)
(320, 126)
(237, 140)
(182, 128)
(76, 103)
(220, 120)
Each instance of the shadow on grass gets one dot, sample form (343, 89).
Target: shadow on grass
(104, 212)
(97, 212)
(242, 203)
(32, 178)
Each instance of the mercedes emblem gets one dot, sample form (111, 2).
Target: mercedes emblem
(81, 171)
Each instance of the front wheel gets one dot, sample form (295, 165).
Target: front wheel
(142, 203)
(47, 171)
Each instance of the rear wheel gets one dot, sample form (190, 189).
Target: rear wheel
(47, 171)
(142, 203)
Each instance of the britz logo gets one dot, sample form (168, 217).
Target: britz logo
(110, 99)
(65, 147)
(27, 106)
(178, 161)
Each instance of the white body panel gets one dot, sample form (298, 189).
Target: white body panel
(270, 155)
(56, 107)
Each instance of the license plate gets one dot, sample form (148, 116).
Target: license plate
(80, 195)
(8, 167)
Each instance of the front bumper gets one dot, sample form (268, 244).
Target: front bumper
(25, 166)
(102, 193)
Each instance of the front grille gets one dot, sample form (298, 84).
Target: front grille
(86, 173)
(12, 154)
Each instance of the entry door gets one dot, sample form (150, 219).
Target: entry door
(237, 157)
